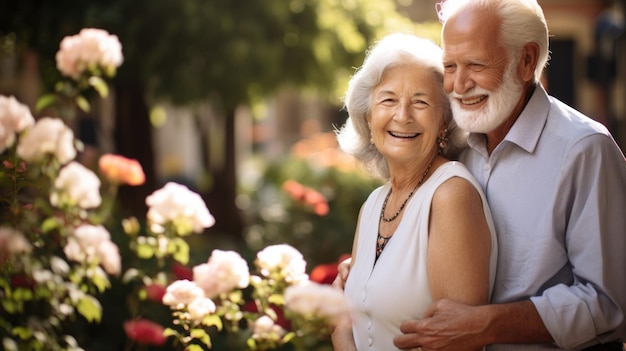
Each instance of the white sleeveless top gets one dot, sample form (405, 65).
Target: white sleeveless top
(396, 288)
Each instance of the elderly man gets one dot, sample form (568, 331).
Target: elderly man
(556, 184)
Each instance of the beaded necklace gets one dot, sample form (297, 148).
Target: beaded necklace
(392, 218)
(382, 241)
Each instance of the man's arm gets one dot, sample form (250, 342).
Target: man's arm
(590, 310)
(449, 325)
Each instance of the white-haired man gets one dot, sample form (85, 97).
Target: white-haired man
(556, 184)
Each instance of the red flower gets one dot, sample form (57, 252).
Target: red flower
(20, 168)
(294, 189)
(22, 281)
(155, 292)
(324, 273)
(307, 196)
(182, 272)
(145, 332)
(321, 208)
(327, 272)
(119, 169)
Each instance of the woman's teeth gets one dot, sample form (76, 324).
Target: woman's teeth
(403, 135)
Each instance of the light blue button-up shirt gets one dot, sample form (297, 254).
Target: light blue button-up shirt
(556, 186)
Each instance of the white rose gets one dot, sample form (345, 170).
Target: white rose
(265, 325)
(181, 293)
(67, 57)
(284, 259)
(109, 256)
(49, 136)
(14, 117)
(91, 235)
(13, 241)
(225, 271)
(76, 185)
(73, 251)
(200, 307)
(91, 243)
(318, 300)
(91, 47)
(176, 204)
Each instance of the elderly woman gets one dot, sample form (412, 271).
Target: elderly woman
(427, 233)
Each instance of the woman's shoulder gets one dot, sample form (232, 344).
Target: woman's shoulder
(456, 182)
(452, 169)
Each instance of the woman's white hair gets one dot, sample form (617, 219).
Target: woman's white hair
(393, 50)
(523, 22)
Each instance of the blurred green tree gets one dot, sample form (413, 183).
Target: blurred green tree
(228, 52)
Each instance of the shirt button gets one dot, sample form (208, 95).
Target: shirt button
(486, 167)
(370, 341)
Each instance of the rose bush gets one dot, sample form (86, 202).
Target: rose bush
(58, 257)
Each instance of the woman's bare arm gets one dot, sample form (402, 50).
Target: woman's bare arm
(459, 244)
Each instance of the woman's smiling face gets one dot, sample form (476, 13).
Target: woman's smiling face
(407, 113)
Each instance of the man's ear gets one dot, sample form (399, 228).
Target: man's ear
(528, 61)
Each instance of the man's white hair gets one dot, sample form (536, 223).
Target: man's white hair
(523, 22)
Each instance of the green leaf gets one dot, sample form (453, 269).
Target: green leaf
(145, 251)
(44, 101)
(21, 294)
(131, 274)
(50, 224)
(12, 307)
(194, 348)
(90, 308)
(288, 337)
(236, 296)
(22, 332)
(201, 335)
(167, 332)
(213, 320)
(180, 250)
(277, 299)
(82, 103)
(101, 280)
(99, 85)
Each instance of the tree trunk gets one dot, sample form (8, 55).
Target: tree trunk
(133, 139)
(221, 197)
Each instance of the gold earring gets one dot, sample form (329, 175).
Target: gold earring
(442, 140)
(369, 126)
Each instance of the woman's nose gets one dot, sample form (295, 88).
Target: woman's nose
(403, 112)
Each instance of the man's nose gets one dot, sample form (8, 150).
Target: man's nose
(462, 81)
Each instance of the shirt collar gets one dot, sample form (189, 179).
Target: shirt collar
(526, 130)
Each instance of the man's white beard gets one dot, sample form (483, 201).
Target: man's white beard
(500, 104)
